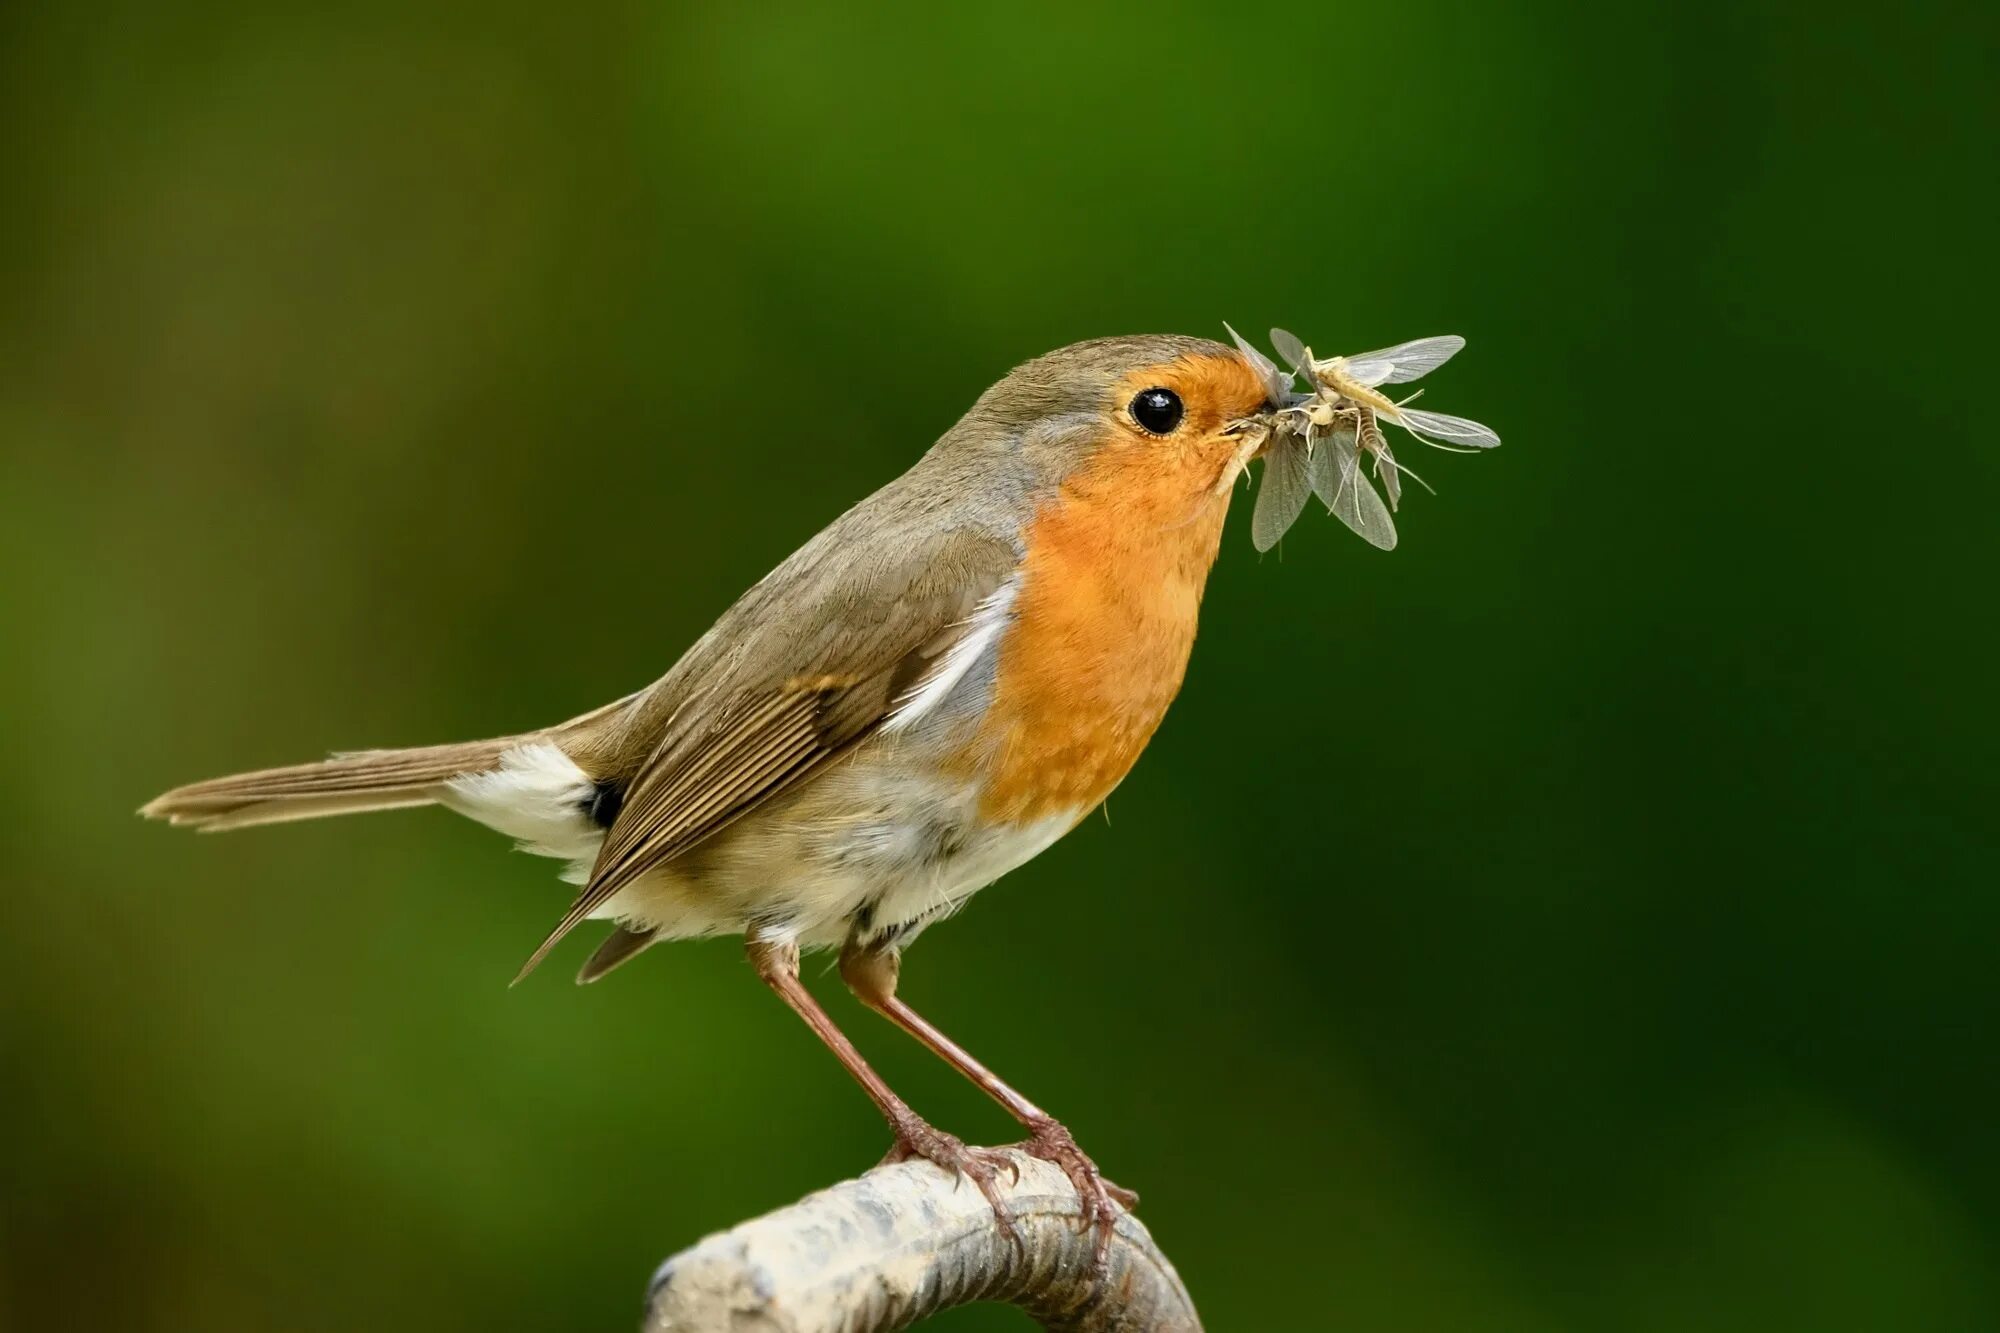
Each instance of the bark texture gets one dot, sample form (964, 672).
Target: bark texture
(906, 1241)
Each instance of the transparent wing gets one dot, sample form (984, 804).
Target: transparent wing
(1360, 508)
(1433, 426)
(1352, 499)
(1405, 361)
(1282, 493)
(1326, 462)
(1290, 348)
(1275, 380)
(1386, 470)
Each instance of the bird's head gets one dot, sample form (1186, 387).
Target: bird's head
(1175, 415)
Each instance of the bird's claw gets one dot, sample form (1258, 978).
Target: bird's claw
(916, 1138)
(1099, 1201)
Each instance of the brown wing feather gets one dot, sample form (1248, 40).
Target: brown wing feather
(715, 764)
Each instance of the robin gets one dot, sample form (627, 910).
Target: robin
(923, 697)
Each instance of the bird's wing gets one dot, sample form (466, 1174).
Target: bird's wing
(811, 661)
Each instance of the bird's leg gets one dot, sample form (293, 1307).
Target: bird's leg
(871, 974)
(777, 963)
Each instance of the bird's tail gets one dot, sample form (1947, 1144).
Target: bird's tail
(343, 785)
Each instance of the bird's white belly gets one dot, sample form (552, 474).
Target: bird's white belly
(914, 891)
(867, 850)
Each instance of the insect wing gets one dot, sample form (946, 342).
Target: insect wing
(1353, 499)
(1405, 361)
(1281, 495)
(1326, 461)
(1386, 470)
(1289, 347)
(1361, 509)
(1275, 380)
(1433, 426)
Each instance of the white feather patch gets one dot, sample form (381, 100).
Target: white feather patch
(983, 628)
(537, 796)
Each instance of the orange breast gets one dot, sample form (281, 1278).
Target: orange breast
(1105, 618)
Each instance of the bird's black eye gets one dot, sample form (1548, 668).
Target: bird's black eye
(1158, 410)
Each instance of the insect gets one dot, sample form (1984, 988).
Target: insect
(1318, 441)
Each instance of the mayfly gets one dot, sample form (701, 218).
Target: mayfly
(1318, 441)
(1356, 379)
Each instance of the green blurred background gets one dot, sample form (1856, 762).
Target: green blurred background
(1583, 918)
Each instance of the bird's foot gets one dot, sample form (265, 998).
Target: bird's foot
(1099, 1201)
(916, 1137)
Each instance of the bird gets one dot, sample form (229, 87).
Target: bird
(926, 695)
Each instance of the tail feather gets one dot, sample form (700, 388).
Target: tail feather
(621, 946)
(344, 784)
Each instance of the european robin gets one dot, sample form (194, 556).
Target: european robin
(924, 696)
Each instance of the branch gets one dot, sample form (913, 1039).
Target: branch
(906, 1241)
